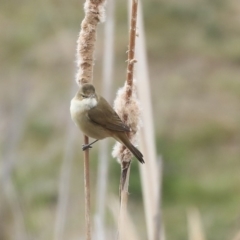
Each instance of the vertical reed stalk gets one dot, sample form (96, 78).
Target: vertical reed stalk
(124, 201)
(195, 228)
(129, 88)
(130, 101)
(130, 232)
(131, 50)
(151, 172)
(9, 159)
(94, 13)
(64, 182)
(87, 191)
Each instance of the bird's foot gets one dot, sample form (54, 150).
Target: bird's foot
(85, 147)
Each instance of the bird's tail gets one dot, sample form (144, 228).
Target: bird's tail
(136, 153)
(125, 141)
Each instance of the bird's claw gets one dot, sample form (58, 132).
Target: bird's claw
(85, 147)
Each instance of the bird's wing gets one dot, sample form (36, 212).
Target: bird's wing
(104, 115)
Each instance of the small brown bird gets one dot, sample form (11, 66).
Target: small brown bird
(97, 119)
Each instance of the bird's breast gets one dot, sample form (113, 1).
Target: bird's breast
(78, 110)
(80, 106)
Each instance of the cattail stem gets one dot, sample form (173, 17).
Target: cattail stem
(125, 173)
(125, 165)
(131, 49)
(129, 81)
(94, 13)
(87, 191)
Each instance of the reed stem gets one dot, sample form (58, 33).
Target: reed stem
(125, 165)
(94, 13)
(87, 191)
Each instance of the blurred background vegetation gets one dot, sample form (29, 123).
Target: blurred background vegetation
(193, 50)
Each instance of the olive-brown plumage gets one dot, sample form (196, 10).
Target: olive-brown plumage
(97, 119)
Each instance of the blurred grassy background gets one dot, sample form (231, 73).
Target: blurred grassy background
(194, 61)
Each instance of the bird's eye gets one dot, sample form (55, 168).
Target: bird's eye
(84, 96)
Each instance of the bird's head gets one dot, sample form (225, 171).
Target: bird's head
(86, 91)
